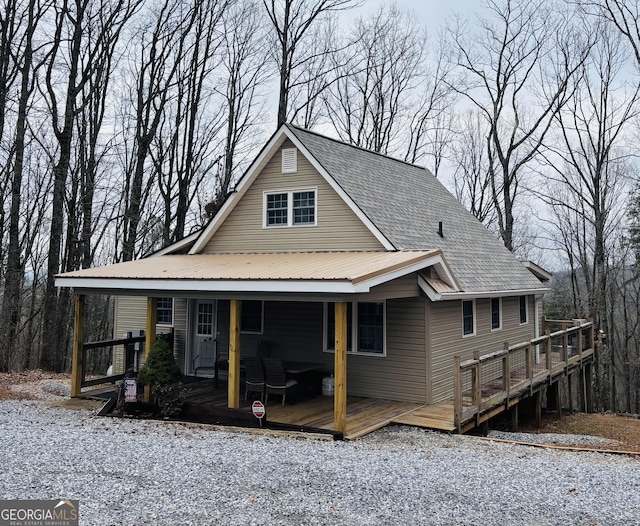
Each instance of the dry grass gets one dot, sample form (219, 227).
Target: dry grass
(8, 380)
(625, 430)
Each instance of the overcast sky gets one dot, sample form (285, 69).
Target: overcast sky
(432, 13)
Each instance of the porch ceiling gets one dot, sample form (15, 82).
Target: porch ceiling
(334, 272)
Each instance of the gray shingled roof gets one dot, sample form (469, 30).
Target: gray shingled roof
(406, 202)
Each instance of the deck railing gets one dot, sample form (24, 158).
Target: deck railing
(485, 382)
(129, 344)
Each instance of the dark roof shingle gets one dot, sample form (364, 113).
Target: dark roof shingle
(406, 203)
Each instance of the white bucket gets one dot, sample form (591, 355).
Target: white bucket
(327, 386)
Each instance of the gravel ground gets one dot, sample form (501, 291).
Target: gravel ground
(141, 472)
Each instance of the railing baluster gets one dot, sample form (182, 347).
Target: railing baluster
(457, 393)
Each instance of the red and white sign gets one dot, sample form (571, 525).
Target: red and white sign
(258, 409)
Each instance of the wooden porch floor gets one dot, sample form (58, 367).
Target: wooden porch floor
(364, 415)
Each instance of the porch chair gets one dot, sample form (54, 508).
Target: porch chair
(277, 382)
(254, 382)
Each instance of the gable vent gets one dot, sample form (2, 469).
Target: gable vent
(289, 160)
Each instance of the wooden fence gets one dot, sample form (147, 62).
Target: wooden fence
(487, 384)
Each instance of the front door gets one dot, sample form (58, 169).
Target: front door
(203, 349)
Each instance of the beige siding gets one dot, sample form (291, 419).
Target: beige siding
(404, 287)
(131, 314)
(400, 375)
(338, 228)
(447, 341)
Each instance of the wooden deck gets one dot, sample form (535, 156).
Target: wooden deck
(364, 415)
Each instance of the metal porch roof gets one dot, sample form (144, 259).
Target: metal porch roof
(262, 272)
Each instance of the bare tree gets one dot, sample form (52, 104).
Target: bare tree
(23, 53)
(591, 162)
(623, 14)
(518, 71)
(471, 166)
(293, 22)
(184, 150)
(370, 102)
(162, 46)
(432, 119)
(245, 65)
(91, 31)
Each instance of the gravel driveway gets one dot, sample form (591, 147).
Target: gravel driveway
(138, 472)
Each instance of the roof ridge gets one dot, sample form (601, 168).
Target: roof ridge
(356, 147)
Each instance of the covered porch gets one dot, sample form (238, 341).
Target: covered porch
(333, 279)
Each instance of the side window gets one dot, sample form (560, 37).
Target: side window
(251, 316)
(468, 317)
(365, 326)
(524, 311)
(496, 314)
(165, 311)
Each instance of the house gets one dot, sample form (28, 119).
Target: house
(335, 255)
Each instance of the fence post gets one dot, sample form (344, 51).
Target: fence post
(547, 349)
(78, 360)
(579, 344)
(476, 380)
(457, 393)
(529, 360)
(506, 374)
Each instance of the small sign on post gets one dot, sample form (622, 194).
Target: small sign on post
(130, 390)
(258, 410)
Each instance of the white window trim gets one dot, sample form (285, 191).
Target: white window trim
(354, 330)
(289, 193)
(473, 304)
(285, 153)
(526, 310)
(261, 321)
(499, 327)
(173, 314)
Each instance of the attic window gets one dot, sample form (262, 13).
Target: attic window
(290, 208)
(289, 160)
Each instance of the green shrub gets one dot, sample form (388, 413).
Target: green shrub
(160, 367)
(162, 374)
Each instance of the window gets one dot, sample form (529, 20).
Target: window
(289, 160)
(291, 208)
(204, 320)
(371, 327)
(524, 314)
(496, 316)
(365, 325)
(251, 317)
(277, 209)
(304, 208)
(468, 317)
(164, 314)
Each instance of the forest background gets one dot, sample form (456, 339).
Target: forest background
(125, 123)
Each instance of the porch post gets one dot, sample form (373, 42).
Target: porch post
(150, 336)
(340, 369)
(77, 363)
(233, 381)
